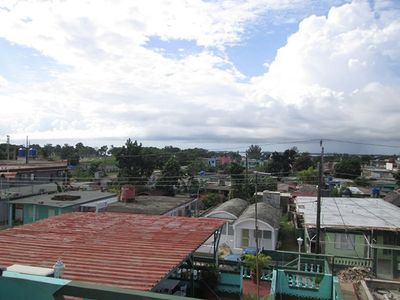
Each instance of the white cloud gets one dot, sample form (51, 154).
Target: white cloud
(334, 75)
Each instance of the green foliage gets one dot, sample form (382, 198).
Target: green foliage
(281, 163)
(254, 152)
(69, 153)
(335, 192)
(348, 167)
(309, 176)
(251, 261)
(170, 177)
(270, 184)
(303, 162)
(133, 166)
(212, 199)
(362, 181)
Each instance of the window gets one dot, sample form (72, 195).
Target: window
(267, 234)
(344, 241)
(51, 212)
(230, 230)
(245, 238)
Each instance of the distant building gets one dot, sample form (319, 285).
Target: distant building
(31, 209)
(14, 173)
(158, 205)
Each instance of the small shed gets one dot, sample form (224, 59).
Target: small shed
(268, 218)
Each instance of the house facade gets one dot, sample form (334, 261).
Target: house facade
(239, 231)
(359, 228)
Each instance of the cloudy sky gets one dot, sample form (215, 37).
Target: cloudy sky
(200, 72)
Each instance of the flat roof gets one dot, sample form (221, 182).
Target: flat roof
(45, 199)
(31, 165)
(122, 250)
(150, 205)
(350, 213)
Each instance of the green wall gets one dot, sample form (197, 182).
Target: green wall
(359, 246)
(34, 212)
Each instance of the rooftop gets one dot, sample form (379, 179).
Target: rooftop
(350, 213)
(122, 250)
(234, 206)
(13, 165)
(265, 213)
(46, 199)
(149, 205)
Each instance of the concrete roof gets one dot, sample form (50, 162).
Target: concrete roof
(123, 250)
(350, 213)
(45, 199)
(265, 213)
(234, 206)
(32, 165)
(150, 205)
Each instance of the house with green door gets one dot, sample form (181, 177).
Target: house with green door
(357, 231)
(31, 209)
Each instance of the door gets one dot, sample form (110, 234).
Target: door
(245, 238)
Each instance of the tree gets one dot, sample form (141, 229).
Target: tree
(133, 167)
(309, 176)
(237, 181)
(349, 167)
(254, 152)
(170, 177)
(70, 154)
(196, 166)
(303, 162)
(281, 164)
(212, 199)
(102, 151)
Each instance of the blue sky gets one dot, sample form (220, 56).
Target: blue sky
(200, 72)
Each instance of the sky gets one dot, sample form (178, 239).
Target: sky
(213, 74)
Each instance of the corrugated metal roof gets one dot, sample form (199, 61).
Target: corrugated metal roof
(265, 213)
(234, 206)
(124, 250)
(350, 213)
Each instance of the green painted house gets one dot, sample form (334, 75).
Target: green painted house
(357, 231)
(31, 209)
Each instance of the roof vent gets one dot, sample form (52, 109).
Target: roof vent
(66, 197)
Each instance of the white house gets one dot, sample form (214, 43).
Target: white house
(239, 230)
(229, 211)
(268, 227)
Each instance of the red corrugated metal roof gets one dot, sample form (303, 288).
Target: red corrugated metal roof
(124, 250)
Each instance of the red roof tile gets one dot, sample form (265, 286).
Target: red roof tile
(124, 250)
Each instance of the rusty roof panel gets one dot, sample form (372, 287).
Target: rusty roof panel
(124, 250)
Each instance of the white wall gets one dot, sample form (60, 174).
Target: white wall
(267, 244)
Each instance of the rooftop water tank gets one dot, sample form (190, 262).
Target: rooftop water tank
(21, 152)
(32, 153)
(128, 193)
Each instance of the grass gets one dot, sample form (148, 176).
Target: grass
(287, 235)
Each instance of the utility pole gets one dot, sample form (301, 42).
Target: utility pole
(320, 183)
(8, 147)
(257, 248)
(247, 169)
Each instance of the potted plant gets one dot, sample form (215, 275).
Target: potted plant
(251, 261)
